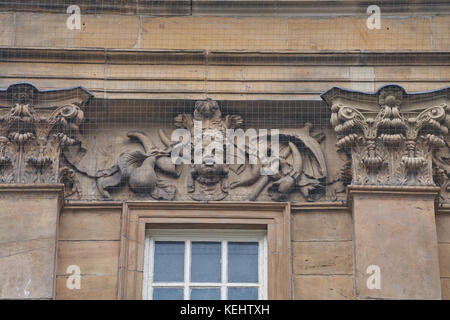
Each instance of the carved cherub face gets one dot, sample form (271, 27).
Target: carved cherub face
(206, 109)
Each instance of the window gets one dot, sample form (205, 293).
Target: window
(205, 264)
(272, 219)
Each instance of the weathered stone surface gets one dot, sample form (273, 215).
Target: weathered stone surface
(349, 33)
(93, 257)
(92, 288)
(440, 27)
(27, 269)
(330, 287)
(322, 226)
(115, 31)
(445, 284)
(89, 225)
(322, 257)
(28, 230)
(35, 219)
(216, 33)
(444, 259)
(6, 29)
(362, 79)
(443, 227)
(396, 231)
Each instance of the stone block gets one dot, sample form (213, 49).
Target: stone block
(322, 257)
(395, 230)
(91, 288)
(90, 225)
(206, 33)
(93, 257)
(350, 33)
(28, 231)
(323, 287)
(322, 226)
(443, 227)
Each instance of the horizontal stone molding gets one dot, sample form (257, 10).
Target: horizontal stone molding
(20, 188)
(392, 190)
(230, 7)
(221, 57)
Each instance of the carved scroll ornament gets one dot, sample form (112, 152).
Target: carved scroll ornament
(302, 163)
(35, 128)
(390, 135)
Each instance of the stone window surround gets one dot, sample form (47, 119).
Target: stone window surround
(138, 216)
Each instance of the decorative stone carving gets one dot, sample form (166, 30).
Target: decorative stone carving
(138, 170)
(208, 180)
(35, 127)
(441, 170)
(390, 135)
(302, 168)
(302, 162)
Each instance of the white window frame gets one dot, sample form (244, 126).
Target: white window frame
(213, 235)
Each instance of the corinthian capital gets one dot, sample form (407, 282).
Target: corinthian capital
(390, 135)
(35, 127)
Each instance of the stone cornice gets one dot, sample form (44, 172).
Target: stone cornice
(48, 98)
(58, 188)
(248, 58)
(392, 190)
(235, 8)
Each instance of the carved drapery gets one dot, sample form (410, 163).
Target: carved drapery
(391, 137)
(35, 127)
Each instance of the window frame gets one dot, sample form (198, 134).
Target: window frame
(138, 216)
(205, 235)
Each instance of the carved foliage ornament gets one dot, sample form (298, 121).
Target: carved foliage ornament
(302, 163)
(390, 135)
(35, 127)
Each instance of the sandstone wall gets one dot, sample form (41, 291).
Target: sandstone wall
(128, 53)
(443, 234)
(90, 239)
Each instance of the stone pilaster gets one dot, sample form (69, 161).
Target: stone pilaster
(395, 238)
(390, 138)
(29, 216)
(35, 129)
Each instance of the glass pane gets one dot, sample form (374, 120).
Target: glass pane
(242, 261)
(169, 261)
(205, 294)
(168, 294)
(242, 293)
(206, 257)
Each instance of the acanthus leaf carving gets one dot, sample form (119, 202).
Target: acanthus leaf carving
(390, 135)
(35, 126)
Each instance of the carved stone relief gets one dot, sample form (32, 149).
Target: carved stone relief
(138, 169)
(386, 138)
(208, 180)
(302, 168)
(302, 163)
(35, 128)
(392, 137)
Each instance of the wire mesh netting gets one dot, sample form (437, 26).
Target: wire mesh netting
(149, 63)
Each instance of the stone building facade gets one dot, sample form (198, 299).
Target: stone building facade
(90, 194)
